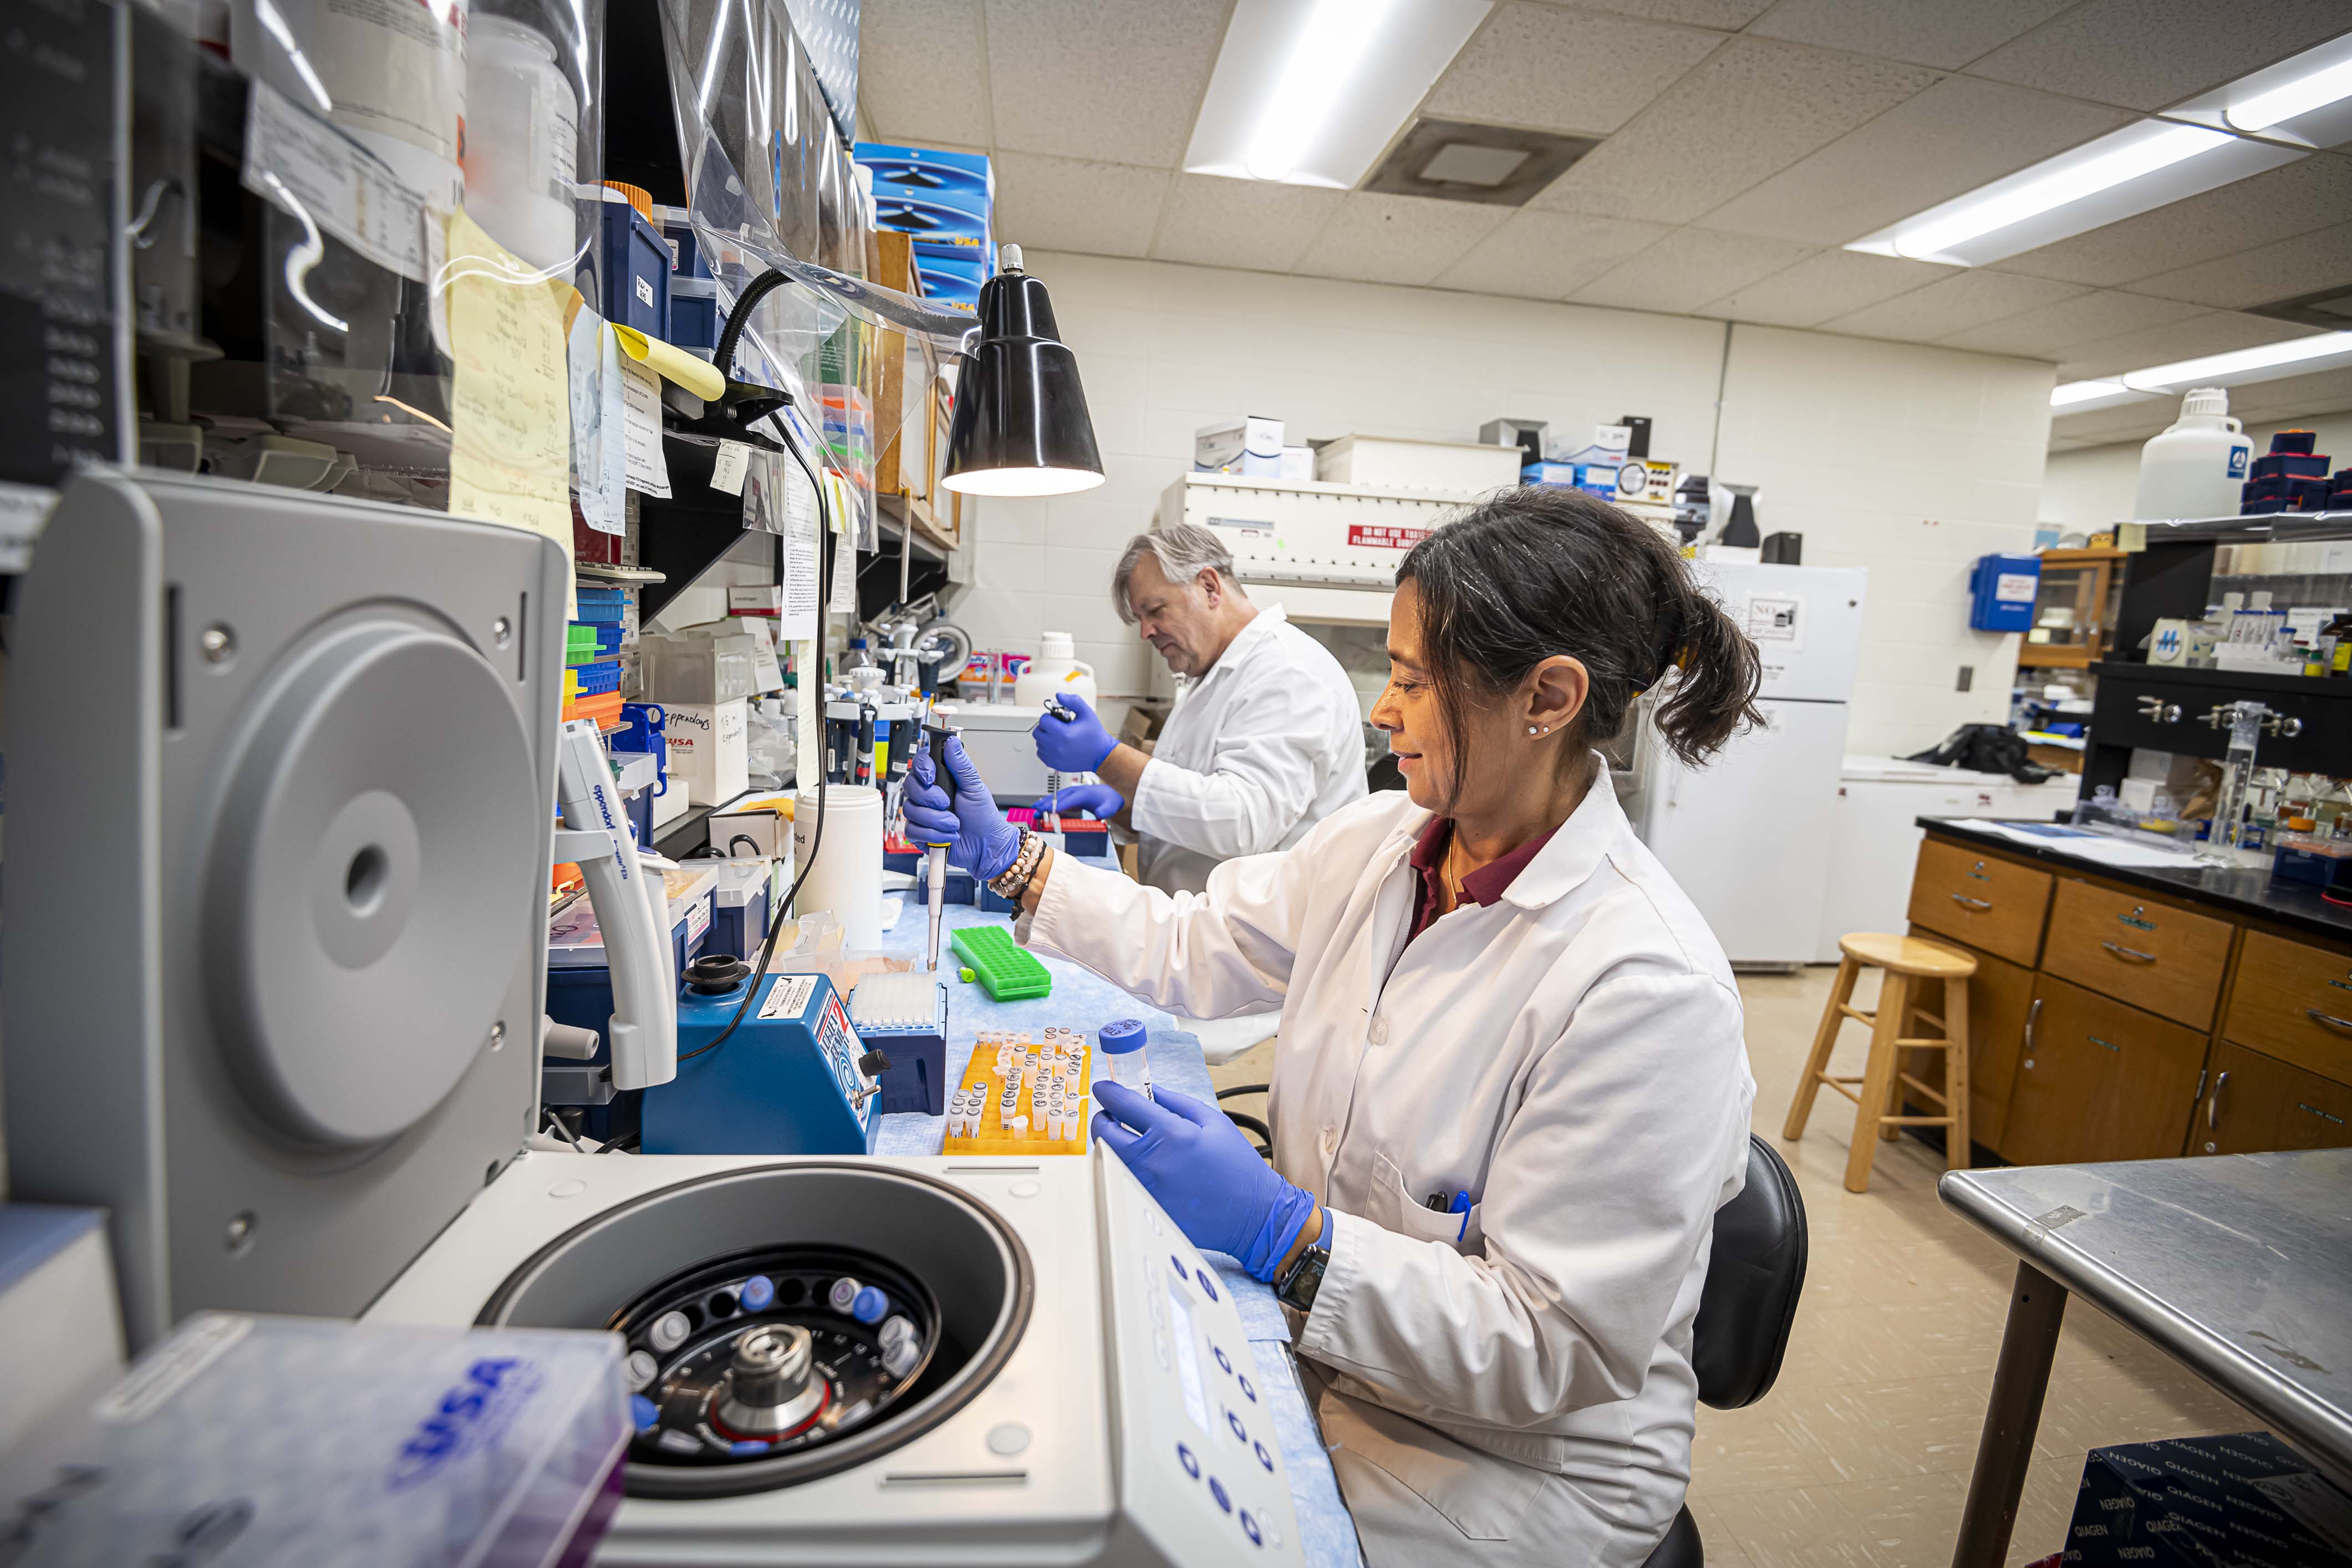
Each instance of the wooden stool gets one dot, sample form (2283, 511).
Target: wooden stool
(1906, 961)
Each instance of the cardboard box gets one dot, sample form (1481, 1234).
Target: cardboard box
(1456, 467)
(2249, 1501)
(710, 750)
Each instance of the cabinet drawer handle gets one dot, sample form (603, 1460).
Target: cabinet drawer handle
(2096, 1041)
(2330, 1019)
(1967, 902)
(2135, 954)
(2032, 1016)
(2213, 1105)
(2324, 1115)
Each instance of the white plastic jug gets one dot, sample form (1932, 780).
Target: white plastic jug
(2197, 467)
(1055, 673)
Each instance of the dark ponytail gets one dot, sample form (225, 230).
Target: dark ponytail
(1535, 572)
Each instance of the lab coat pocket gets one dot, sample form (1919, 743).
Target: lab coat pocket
(1393, 1207)
(1483, 1497)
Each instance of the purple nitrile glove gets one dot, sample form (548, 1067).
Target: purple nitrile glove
(1096, 800)
(1074, 745)
(978, 838)
(1209, 1178)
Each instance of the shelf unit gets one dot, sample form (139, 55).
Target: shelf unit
(2090, 578)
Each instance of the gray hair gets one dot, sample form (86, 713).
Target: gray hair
(1183, 550)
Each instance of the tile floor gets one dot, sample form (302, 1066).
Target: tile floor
(1860, 1455)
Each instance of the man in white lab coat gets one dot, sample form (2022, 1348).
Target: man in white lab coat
(1266, 737)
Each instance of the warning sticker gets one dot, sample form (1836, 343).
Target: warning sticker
(1385, 535)
(789, 996)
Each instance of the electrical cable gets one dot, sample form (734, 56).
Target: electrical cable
(816, 837)
(723, 356)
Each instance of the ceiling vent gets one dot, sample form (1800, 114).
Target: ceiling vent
(2330, 308)
(1455, 161)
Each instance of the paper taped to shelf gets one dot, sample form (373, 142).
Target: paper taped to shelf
(698, 376)
(307, 168)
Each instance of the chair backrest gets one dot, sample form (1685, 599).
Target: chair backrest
(1748, 1302)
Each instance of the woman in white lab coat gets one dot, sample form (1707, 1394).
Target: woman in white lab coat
(1510, 1090)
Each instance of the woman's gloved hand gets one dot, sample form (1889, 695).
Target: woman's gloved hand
(1208, 1177)
(978, 838)
(1073, 745)
(1096, 800)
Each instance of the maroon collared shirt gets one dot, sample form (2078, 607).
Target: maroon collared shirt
(1482, 887)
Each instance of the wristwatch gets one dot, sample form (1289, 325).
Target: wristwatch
(1296, 1286)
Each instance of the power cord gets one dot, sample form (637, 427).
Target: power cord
(824, 612)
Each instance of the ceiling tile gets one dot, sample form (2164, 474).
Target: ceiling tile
(2042, 332)
(2147, 54)
(2274, 205)
(1730, 16)
(1217, 222)
(1957, 303)
(2295, 397)
(1564, 70)
(1747, 112)
(1924, 32)
(2192, 339)
(1951, 139)
(920, 77)
(2280, 271)
(1543, 255)
(1119, 79)
(2102, 426)
(1065, 204)
(1383, 239)
(1687, 269)
(1819, 287)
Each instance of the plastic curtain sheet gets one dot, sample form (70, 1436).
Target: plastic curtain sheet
(772, 184)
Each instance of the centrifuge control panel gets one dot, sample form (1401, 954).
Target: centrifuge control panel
(1201, 1471)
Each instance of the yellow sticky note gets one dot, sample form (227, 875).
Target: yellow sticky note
(672, 363)
(511, 447)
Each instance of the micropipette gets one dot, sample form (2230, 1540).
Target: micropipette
(935, 859)
(1054, 778)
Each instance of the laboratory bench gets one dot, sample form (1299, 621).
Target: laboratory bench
(1326, 1535)
(2138, 1012)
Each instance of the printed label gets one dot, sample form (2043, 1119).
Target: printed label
(789, 996)
(1385, 535)
(1776, 618)
(646, 292)
(2015, 587)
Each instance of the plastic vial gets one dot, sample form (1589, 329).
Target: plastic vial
(1123, 1043)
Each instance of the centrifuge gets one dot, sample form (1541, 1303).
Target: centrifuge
(313, 814)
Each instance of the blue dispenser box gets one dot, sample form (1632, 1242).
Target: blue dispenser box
(787, 1082)
(637, 265)
(964, 181)
(2001, 589)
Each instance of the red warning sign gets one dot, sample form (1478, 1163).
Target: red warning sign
(1385, 536)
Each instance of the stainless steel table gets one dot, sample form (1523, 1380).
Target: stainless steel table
(2240, 1266)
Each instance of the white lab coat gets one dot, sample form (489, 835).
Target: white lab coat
(1255, 752)
(1514, 1387)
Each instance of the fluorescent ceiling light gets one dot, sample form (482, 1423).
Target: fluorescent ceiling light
(2069, 394)
(2322, 352)
(2293, 99)
(2124, 172)
(1310, 93)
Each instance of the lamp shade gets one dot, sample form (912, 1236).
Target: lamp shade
(1021, 427)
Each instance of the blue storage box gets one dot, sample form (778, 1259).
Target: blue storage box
(965, 180)
(694, 318)
(1592, 479)
(935, 229)
(685, 257)
(636, 263)
(2001, 589)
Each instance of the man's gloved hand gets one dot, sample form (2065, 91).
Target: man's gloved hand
(1075, 745)
(978, 838)
(1208, 1177)
(1096, 800)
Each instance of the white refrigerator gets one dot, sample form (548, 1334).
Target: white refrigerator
(1748, 834)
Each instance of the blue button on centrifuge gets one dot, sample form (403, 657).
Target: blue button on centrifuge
(1224, 1362)
(1206, 1283)
(1250, 1529)
(1235, 1422)
(1262, 1457)
(1185, 1457)
(759, 1293)
(1178, 1264)
(644, 1412)
(1247, 1389)
(1217, 1490)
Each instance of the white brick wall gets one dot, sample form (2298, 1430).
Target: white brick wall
(1908, 460)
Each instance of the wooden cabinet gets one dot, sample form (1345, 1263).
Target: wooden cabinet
(2154, 955)
(2294, 1001)
(2254, 1103)
(2099, 1079)
(1988, 903)
(1999, 996)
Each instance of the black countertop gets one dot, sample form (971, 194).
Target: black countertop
(2246, 891)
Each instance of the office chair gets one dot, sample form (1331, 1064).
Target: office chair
(1746, 1308)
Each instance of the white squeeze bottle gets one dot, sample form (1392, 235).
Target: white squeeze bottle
(2197, 467)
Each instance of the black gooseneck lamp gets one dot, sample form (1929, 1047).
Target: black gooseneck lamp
(1021, 427)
